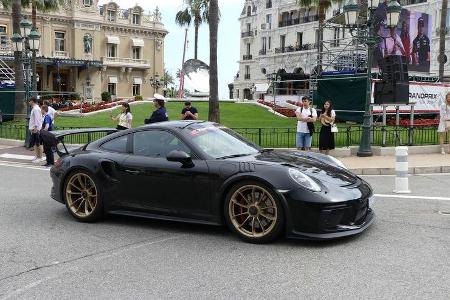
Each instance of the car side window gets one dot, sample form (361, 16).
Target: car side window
(116, 145)
(157, 143)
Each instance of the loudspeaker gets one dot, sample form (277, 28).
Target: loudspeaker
(394, 68)
(391, 93)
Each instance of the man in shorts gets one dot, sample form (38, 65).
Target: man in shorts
(35, 126)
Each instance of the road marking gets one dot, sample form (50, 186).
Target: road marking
(412, 197)
(22, 165)
(17, 156)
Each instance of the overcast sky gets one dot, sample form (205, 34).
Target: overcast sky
(228, 40)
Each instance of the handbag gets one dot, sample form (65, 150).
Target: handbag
(334, 128)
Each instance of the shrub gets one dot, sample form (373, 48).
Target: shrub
(138, 98)
(106, 96)
(76, 96)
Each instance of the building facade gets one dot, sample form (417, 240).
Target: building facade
(280, 40)
(87, 49)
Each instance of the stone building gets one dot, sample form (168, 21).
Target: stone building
(280, 37)
(89, 49)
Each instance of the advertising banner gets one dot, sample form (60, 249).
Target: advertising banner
(411, 38)
(427, 97)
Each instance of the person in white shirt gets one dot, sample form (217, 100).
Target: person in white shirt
(306, 117)
(125, 118)
(35, 126)
(53, 113)
(444, 121)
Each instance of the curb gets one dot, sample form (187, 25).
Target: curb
(391, 171)
(8, 142)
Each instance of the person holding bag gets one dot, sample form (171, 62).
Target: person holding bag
(444, 121)
(326, 136)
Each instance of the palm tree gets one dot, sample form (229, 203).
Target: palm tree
(322, 6)
(213, 16)
(197, 11)
(442, 33)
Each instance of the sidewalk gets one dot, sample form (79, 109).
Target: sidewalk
(375, 165)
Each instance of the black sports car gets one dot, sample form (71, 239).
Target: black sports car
(202, 172)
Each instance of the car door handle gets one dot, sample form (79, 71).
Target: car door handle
(134, 172)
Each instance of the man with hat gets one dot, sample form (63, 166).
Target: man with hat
(160, 114)
(421, 47)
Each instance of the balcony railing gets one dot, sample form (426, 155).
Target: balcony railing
(60, 54)
(247, 76)
(297, 21)
(303, 47)
(411, 2)
(247, 57)
(118, 61)
(247, 34)
(262, 52)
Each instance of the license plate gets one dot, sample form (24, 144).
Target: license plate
(371, 201)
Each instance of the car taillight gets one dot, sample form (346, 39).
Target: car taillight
(58, 163)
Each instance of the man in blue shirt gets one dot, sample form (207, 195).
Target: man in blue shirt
(160, 114)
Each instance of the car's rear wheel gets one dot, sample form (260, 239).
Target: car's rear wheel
(82, 196)
(254, 212)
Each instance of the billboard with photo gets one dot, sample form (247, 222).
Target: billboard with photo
(411, 38)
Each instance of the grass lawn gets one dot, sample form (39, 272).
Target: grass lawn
(231, 115)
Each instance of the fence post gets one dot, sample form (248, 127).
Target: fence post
(348, 136)
(259, 136)
(411, 127)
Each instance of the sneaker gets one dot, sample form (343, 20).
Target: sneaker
(442, 151)
(37, 160)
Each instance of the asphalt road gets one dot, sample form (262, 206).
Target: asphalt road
(45, 254)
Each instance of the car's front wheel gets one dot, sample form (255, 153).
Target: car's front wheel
(82, 196)
(254, 212)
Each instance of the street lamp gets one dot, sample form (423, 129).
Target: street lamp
(156, 83)
(27, 41)
(351, 11)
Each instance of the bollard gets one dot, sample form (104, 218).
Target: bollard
(401, 170)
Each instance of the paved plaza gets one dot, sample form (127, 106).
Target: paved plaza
(45, 254)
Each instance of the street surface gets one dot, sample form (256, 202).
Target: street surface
(46, 254)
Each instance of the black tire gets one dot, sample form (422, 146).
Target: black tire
(91, 212)
(266, 223)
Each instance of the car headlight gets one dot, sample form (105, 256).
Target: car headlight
(304, 180)
(337, 162)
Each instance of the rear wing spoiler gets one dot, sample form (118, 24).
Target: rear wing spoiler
(81, 136)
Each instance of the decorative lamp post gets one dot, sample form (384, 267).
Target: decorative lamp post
(156, 83)
(393, 11)
(351, 11)
(27, 41)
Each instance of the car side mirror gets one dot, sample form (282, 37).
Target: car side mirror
(181, 157)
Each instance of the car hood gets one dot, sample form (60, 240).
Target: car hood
(310, 164)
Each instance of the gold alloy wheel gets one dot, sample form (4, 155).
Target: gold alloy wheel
(253, 211)
(81, 195)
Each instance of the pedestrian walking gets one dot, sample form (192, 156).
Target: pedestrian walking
(125, 118)
(189, 112)
(444, 121)
(326, 136)
(306, 117)
(35, 126)
(160, 114)
(47, 125)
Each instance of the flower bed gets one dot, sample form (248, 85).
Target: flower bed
(87, 107)
(417, 122)
(281, 110)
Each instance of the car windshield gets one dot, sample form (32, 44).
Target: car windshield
(220, 142)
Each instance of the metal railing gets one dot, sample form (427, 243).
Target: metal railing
(303, 47)
(285, 137)
(247, 57)
(411, 2)
(299, 20)
(247, 34)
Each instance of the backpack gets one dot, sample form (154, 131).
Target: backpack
(309, 124)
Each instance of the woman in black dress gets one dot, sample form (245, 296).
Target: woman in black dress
(326, 137)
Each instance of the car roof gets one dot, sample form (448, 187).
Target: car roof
(180, 124)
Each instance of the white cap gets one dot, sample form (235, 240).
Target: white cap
(159, 97)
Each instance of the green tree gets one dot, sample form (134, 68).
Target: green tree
(213, 16)
(196, 12)
(442, 33)
(322, 7)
